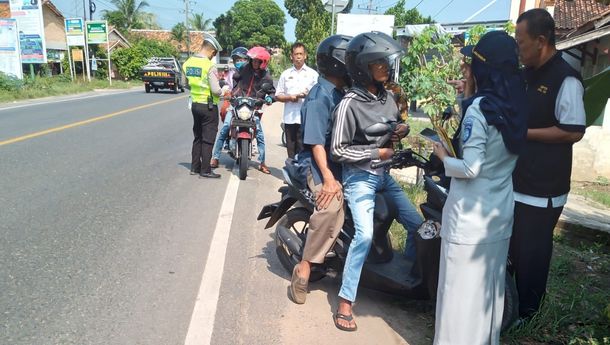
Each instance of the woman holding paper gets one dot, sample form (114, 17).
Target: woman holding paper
(478, 215)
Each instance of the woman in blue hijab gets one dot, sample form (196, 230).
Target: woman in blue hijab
(478, 214)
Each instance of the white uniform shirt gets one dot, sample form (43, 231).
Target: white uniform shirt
(480, 205)
(294, 82)
(569, 110)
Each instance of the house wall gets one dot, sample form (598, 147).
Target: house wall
(592, 153)
(54, 30)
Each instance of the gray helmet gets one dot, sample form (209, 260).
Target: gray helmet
(211, 40)
(367, 48)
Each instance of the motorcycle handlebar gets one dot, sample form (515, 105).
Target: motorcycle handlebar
(382, 164)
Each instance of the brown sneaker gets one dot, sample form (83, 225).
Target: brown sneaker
(263, 168)
(298, 287)
(214, 163)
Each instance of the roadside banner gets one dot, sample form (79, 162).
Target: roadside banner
(97, 32)
(28, 14)
(10, 54)
(75, 32)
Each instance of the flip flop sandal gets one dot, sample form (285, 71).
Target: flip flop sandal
(348, 318)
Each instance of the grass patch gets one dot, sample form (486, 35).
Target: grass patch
(54, 86)
(576, 309)
(598, 191)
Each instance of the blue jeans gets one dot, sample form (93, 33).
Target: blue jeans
(223, 134)
(359, 188)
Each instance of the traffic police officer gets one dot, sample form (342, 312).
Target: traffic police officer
(203, 82)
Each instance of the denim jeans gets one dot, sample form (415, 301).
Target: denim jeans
(223, 134)
(360, 187)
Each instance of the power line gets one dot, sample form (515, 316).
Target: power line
(442, 9)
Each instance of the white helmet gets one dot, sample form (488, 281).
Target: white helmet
(211, 40)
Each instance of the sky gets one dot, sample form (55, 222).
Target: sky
(170, 12)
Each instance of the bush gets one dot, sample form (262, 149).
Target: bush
(129, 61)
(9, 83)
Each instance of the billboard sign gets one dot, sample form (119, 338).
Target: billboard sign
(28, 14)
(354, 24)
(97, 32)
(75, 32)
(10, 54)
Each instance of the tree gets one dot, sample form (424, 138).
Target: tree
(198, 22)
(128, 15)
(403, 17)
(179, 33)
(130, 60)
(313, 22)
(251, 22)
(149, 21)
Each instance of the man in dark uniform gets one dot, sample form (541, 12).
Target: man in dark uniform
(542, 176)
(324, 176)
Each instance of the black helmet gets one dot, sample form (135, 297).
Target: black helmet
(367, 48)
(330, 56)
(239, 52)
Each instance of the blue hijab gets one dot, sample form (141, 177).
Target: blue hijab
(495, 67)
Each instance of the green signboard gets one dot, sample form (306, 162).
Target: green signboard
(97, 32)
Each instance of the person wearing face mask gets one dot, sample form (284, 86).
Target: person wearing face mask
(239, 56)
(202, 80)
(370, 59)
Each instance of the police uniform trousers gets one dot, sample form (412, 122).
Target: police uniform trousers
(205, 126)
(470, 297)
(324, 226)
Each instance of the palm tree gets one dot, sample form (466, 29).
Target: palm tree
(179, 33)
(131, 12)
(199, 23)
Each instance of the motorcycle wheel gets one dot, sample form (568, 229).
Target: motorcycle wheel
(243, 159)
(175, 88)
(511, 303)
(297, 221)
(147, 88)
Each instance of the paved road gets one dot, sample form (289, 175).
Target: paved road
(106, 238)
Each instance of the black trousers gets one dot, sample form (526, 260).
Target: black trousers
(205, 127)
(294, 139)
(531, 247)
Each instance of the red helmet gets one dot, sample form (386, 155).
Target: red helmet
(260, 53)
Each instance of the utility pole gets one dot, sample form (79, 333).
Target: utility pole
(369, 7)
(188, 33)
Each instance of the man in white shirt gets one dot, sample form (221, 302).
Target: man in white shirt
(293, 86)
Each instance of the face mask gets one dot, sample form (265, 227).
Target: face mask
(239, 64)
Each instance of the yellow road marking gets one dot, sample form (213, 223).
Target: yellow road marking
(80, 123)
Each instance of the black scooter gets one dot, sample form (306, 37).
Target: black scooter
(385, 269)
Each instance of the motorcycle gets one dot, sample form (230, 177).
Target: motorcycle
(385, 269)
(242, 130)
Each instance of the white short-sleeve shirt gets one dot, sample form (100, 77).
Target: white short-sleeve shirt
(294, 82)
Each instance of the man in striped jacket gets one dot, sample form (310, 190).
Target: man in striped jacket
(370, 60)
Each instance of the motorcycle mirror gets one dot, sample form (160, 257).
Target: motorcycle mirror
(447, 113)
(378, 129)
(267, 88)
